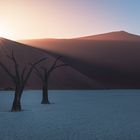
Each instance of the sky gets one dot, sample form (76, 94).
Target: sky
(28, 19)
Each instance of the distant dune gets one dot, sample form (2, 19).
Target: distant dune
(111, 59)
(63, 78)
(120, 36)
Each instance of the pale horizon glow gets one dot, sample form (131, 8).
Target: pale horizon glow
(31, 19)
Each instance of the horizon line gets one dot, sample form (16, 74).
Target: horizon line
(76, 37)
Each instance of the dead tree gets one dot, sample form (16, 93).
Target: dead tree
(20, 79)
(44, 73)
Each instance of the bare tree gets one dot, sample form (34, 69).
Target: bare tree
(44, 73)
(20, 79)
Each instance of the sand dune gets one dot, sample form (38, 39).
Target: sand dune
(119, 35)
(111, 59)
(63, 78)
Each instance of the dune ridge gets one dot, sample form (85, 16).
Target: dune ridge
(111, 59)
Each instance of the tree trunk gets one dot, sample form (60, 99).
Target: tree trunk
(45, 99)
(16, 107)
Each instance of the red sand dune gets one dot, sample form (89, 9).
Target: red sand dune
(63, 78)
(120, 36)
(111, 59)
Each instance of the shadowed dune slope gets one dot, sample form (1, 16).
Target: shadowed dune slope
(111, 59)
(63, 78)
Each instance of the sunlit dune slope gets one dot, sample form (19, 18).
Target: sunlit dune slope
(120, 36)
(112, 58)
(63, 78)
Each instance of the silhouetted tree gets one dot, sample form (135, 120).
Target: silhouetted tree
(44, 73)
(19, 79)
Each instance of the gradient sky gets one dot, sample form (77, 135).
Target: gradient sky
(24, 19)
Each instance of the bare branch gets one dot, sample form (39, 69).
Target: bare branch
(23, 73)
(58, 66)
(42, 59)
(38, 73)
(54, 64)
(8, 72)
(31, 69)
(45, 73)
(12, 57)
